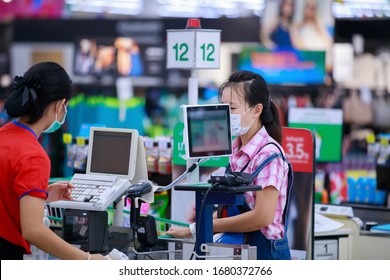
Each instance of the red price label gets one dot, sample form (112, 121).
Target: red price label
(298, 145)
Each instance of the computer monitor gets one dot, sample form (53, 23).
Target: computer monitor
(207, 130)
(118, 152)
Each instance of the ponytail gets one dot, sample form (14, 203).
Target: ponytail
(270, 119)
(42, 84)
(23, 100)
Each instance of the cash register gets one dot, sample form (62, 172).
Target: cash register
(116, 160)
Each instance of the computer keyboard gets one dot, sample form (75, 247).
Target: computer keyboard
(91, 188)
(93, 192)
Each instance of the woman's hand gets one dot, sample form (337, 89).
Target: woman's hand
(59, 191)
(179, 232)
(95, 257)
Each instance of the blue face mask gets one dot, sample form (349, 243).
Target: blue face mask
(56, 124)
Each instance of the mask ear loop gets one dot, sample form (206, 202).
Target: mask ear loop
(56, 110)
(247, 110)
(59, 101)
(250, 124)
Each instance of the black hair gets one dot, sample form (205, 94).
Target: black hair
(42, 84)
(256, 91)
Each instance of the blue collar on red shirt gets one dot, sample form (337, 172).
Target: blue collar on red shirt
(25, 127)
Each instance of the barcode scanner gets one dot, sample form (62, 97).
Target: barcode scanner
(139, 189)
(144, 226)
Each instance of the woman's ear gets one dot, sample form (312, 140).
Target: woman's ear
(258, 110)
(63, 102)
(60, 105)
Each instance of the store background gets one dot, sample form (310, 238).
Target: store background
(37, 30)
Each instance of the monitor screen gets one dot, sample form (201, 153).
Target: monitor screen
(207, 130)
(327, 127)
(112, 151)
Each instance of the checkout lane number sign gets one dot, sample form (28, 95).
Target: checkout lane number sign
(193, 48)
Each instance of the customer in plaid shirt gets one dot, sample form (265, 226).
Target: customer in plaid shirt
(257, 150)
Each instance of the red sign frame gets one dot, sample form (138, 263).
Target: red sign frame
(298, 144)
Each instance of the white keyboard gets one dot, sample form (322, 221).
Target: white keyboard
(93, 192)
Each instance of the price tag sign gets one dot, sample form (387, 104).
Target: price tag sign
(193, 48)
(298, 145)
(67, 138)
(80, 141)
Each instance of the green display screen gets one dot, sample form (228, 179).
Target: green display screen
(327, 127)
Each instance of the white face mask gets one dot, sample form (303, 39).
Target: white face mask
(235, 124)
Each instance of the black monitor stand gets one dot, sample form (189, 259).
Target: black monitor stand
(143, 226)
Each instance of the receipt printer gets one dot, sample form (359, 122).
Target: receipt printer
(87, 229)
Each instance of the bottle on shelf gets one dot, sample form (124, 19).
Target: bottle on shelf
(384, 151)
(373, 147)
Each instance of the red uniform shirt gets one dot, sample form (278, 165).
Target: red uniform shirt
(24, 170)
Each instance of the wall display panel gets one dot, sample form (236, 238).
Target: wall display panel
(119, 56)
(297, 39)
(285, 66)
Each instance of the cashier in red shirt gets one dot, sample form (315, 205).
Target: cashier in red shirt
(38, 103)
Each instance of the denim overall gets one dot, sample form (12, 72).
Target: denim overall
(267, 249)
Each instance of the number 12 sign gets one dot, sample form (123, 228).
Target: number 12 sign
(193, 48)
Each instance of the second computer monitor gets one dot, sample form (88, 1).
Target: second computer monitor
(207, 130)
(118, 152)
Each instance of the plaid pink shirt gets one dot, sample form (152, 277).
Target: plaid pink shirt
(273, 174)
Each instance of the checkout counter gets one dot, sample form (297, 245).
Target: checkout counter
(343, 232)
